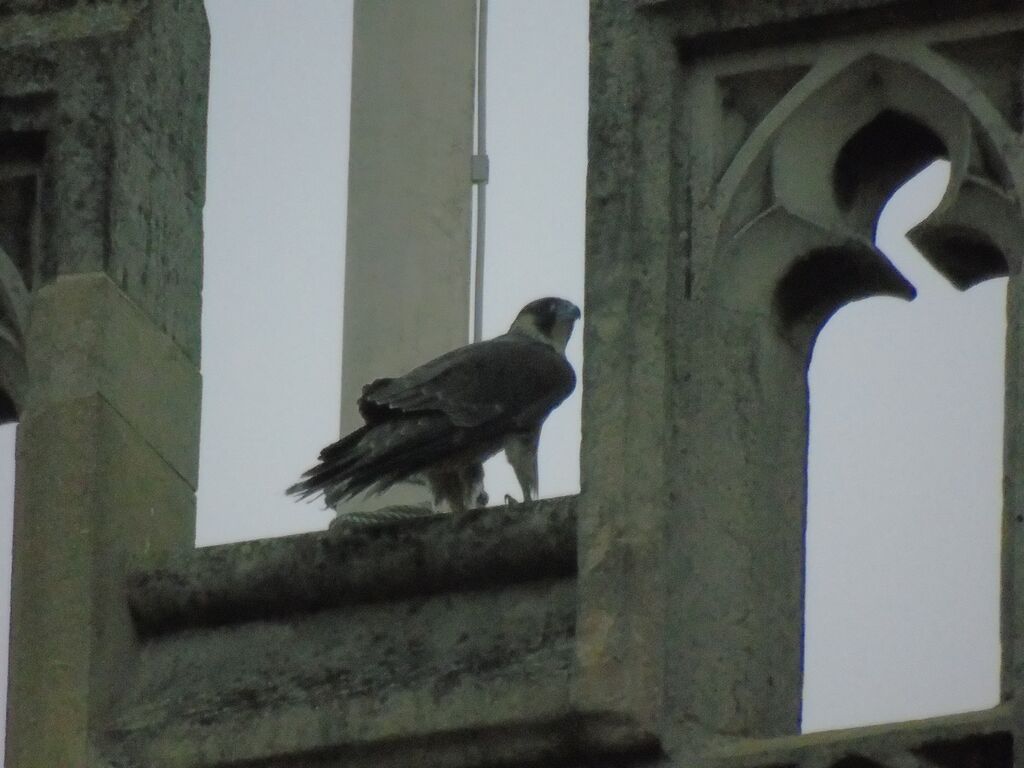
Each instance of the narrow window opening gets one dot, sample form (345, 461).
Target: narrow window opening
(537, 144)
(904, 493)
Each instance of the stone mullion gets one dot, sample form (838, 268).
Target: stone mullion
(629, 245)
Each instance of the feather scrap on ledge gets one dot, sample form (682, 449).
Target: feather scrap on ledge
(441, 421)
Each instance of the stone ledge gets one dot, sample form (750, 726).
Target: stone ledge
(272, 578)
(969, 738)
(721, 26)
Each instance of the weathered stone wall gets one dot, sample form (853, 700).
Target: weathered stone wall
(730, 212)
(102, 151)
(438, 642)
(119, 95)
(158, 173)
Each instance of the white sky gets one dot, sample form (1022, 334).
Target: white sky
(905, 460)
(905, 493)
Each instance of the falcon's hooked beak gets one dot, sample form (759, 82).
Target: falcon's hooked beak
(566, 315)
(569, 311)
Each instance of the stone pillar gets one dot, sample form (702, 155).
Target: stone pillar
(407, 259)
(628, 253)
(738, 161)
(106, 106)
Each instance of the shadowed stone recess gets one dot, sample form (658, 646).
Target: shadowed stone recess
(278, 577)
(968, 740)
(991, 750)
(713, 26)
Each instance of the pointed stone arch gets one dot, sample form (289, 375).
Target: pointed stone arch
(777, 233)
(828, 156)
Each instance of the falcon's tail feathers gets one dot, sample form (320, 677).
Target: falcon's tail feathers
(336, 458)
(375, 457)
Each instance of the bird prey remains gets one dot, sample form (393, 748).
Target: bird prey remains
(441, 421)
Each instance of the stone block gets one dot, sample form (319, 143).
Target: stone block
(87, 337)
(91, 493)
(452, 679)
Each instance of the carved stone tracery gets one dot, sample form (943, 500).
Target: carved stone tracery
(805, 186)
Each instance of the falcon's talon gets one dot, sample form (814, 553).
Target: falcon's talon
(511, 502)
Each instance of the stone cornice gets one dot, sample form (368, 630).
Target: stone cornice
(278, 577)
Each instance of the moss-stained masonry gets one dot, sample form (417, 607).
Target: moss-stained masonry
(120, 96)
(102, 157)
(739, 155)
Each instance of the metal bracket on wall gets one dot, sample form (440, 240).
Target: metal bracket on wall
(479, 169)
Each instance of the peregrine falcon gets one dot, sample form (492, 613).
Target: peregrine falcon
(442, 420)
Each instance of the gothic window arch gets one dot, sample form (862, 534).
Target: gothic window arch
(827, 158)
(904, 476)
(782, 236)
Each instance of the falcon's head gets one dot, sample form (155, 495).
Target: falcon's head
(549, 320)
